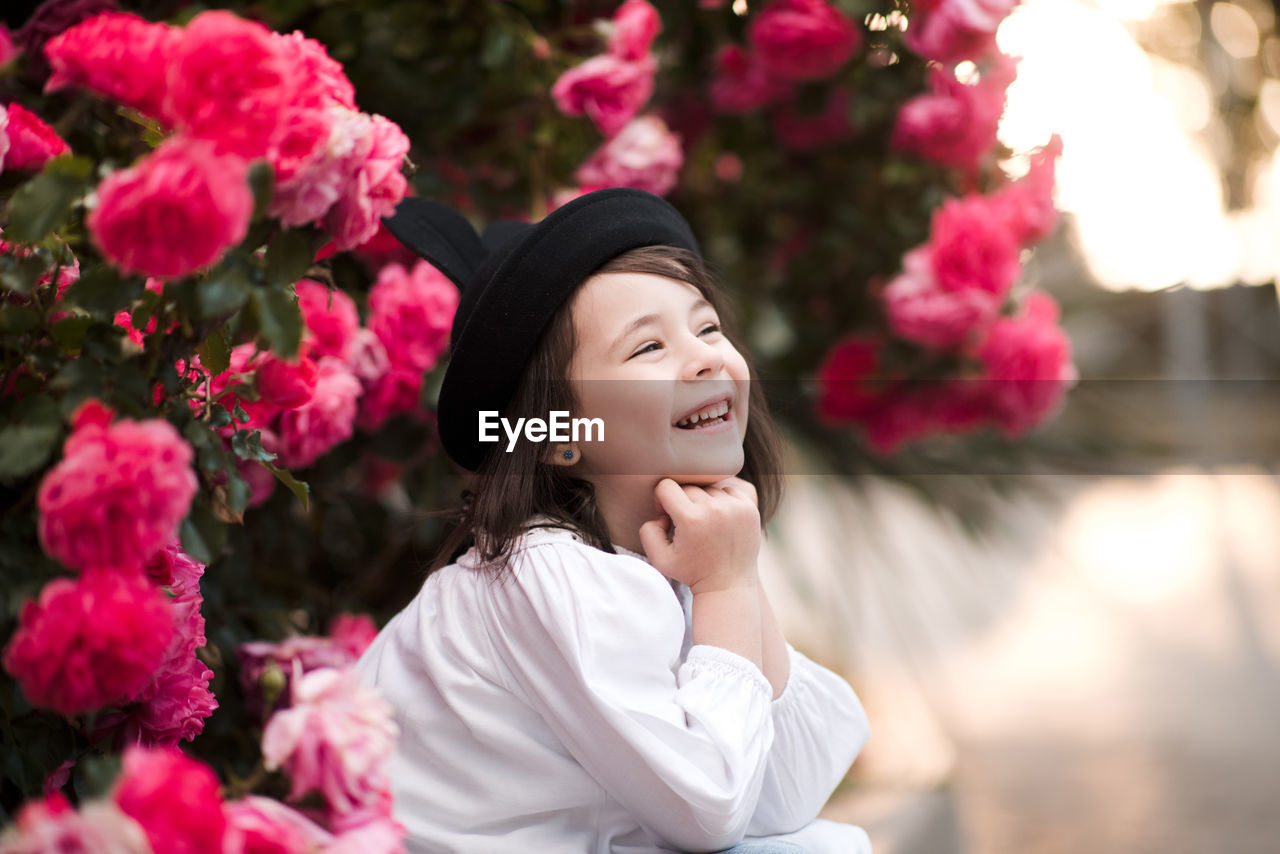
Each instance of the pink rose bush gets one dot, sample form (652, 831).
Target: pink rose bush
(954, 297)
(174, 798)
(349, 636)
(955, 124)
(742, 84)
(52, 825)
(234, 92)
(118, 494)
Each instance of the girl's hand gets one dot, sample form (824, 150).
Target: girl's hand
(708, 537)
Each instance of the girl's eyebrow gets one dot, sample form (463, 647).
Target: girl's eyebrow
(645, 320)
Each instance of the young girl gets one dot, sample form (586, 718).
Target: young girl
(599, 670)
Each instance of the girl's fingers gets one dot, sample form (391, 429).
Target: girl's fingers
(739, 488)
(670, 498)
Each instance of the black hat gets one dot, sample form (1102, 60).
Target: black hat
(513, 278)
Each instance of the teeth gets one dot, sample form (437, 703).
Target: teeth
(714, 411)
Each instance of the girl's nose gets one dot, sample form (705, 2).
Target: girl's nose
(704, 360)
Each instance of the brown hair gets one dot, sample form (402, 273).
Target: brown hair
(509, 488)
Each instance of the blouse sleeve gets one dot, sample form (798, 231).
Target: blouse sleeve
(592, 642)
(819, 728)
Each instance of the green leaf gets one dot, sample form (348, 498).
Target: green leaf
(104, 292)
(22, 274)
(239, 414)
(94, 776)
(297, 487)
(203, 534)
(25, 448)
(222, 293)
(43, 203)
(289, 256)
(218, 416)
(214, 353)
(262, 181)
(279, 319)
(70, 331)
(17, 319)
(247, 445)
(238, 492)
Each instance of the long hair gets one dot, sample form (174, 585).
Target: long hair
(510, 488)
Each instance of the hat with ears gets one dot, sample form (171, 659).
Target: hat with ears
(513, 278)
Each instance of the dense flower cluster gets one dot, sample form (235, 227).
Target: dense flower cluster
(612, 89)
(233, 91)
(953, 296)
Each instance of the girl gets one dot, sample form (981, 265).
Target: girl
(592, 665)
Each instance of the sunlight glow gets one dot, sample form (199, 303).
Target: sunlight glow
(1138, 172)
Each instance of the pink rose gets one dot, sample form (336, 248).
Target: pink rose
(955, 30)
(32, 143)
(119, 55)
(1028, 365)
(51, 826)
(920, 310)
(330, 317)
(374, 184)
(353, 633)
(396, 391)
(635, 24)
(118, 495)
(1026, 206)
(850, 383)
(411, 312)
(972, 249)
(7, 50)
(177, 211)
(956, 123)
(4, 151)
(371, 831)
(611, 91)
(176, 701)
(174, 798)
(322, 80)
(258, 825)
(337, 738)
(804, 132)
(645, 155)
(741, 85)
(803, 39)
(325, 421)
(287, 384)
(230, 83)
(91, 642)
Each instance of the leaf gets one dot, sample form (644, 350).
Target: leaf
(40, 205)
(214, 353)
(22, 274)
(17, 319)
(202, 533)
(70, 331)
(222, 293)
(104, 292)
(247, 445)
(262, 181)
(289, 256)
(24, 448)
(94, 776)
(297, 487)
(279, 320)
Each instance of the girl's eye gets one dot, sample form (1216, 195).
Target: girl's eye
(714, 327)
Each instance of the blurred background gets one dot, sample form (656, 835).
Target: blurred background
(1099, 670)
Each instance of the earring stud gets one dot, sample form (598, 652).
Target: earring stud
(568, 455)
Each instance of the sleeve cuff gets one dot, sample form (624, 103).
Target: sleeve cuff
(726, 663)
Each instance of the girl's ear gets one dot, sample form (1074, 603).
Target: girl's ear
(563, 454)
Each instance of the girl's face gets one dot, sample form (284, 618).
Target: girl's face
(650, 353)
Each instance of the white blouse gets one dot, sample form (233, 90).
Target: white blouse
(564, 711)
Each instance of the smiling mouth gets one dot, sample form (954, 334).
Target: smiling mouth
(710, 422)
